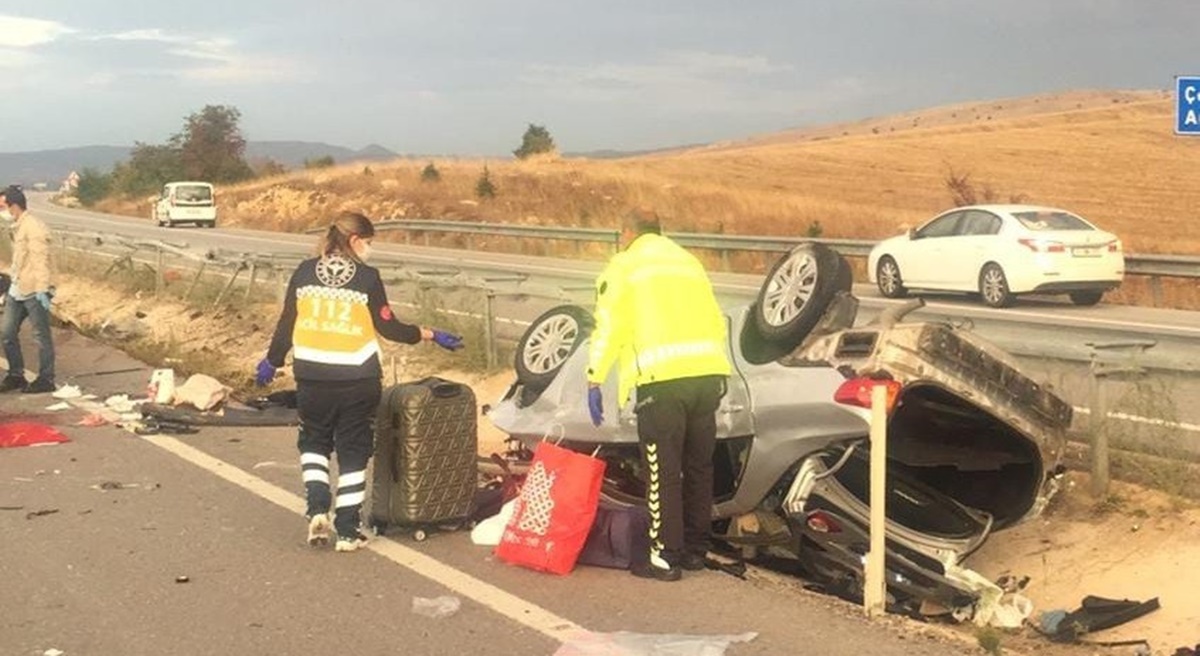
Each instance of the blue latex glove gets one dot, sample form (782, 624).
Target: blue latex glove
(596, 405)
(265, 373)
(448, 341)
(44, 299)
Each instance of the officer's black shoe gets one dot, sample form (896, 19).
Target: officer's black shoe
(39, 386)
(12, 384)
(648, 571)
(692, 562)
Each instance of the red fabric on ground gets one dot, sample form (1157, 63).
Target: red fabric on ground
(20, 433)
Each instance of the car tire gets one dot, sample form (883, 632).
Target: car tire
(796, 292)
(548, 342)
(993, 287)
(887, 276)
(1086, 298)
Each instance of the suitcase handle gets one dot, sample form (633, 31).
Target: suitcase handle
(446, 390)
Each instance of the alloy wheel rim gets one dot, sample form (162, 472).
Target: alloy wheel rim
(550, 344)
(789, 289)
(993, 285)
(889, 276)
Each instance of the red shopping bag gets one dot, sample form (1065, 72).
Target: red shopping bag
(554, 512)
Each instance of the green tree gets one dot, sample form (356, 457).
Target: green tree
(430, 173)
(211, 146)
(484, 187)
(149, 168)
(536, 140)
(93, 185)
(319, 162)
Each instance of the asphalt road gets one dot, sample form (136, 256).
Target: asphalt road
(99, 531)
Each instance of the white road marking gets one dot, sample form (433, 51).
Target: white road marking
(506, 604)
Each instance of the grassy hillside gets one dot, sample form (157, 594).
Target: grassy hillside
(1110, 156)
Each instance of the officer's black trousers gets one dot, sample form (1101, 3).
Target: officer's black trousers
(677, 429)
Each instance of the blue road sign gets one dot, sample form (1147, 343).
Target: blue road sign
(1187, 111)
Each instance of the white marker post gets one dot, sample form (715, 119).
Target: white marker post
(875, 588)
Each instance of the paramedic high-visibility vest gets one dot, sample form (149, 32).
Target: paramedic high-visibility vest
(656, 314)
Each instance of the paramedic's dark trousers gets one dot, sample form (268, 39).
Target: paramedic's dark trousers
(677, 428)
(337, 416)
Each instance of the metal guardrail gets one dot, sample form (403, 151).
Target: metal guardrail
(1154, 265)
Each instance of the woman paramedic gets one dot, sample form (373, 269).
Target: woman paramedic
(334, 310)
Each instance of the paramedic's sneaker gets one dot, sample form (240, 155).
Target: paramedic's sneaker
(39, 386)
(12, 384)
(318, 530)
(352, 542)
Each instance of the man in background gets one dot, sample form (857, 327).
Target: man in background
(28, 297)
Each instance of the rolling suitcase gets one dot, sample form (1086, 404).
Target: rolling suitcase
(425, 451)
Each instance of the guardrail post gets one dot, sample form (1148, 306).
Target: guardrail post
(1101, 370)
(229, 285)
(158, 272)
(875, 584)
(1156, 291)
(250, 285)
(489, 337)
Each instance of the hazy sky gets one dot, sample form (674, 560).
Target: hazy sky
(466, 76)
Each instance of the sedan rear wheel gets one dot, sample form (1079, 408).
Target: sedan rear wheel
(548, 342)
(993, 286)
(797, 292)
(1086, 298)
(887, 275)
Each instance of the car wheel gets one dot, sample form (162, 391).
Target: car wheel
(993, 286)
(548, 342)
(1086, 298)
(887, 276)
(797, 291)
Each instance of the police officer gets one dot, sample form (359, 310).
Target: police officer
(656, 314)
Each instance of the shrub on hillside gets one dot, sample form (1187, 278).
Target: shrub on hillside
(93, 185)
(319, 162)
(430, 173)
(536, 140)
(484, 187)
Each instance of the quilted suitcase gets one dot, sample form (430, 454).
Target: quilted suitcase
(425, 464)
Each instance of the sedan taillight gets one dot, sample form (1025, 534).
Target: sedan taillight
(1043, 245)
(1114, 246)
(821, 522)
(857, 391)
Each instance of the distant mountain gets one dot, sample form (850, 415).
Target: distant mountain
(51, 166)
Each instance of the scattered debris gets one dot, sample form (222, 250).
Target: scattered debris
(201, 391)
(1094, 614)
(92, 420)
(115, 485)
(12, 507)
(53, 652)
(40, 513)
(182, 578)
(437, 607)
(624, 643)
(121, 403)
(68, 392)
(62, 405)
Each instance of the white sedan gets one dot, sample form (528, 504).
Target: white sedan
(999, 251)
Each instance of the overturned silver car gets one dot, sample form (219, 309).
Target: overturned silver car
(974, 444)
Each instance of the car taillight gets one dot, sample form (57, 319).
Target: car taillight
(1114, 246)
(1043, 245)
(857, 391)
(820, 522)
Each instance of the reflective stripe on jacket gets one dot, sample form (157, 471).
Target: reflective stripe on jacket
(656, 314)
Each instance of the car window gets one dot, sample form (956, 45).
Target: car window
(1052, 220)
(942, 226)
(979, 223)
(193, 193)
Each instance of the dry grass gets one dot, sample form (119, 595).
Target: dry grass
(1111, 157)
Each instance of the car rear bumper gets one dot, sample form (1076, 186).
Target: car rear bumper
(1064, 286)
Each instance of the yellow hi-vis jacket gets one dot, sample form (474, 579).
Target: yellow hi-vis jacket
(655, 311)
